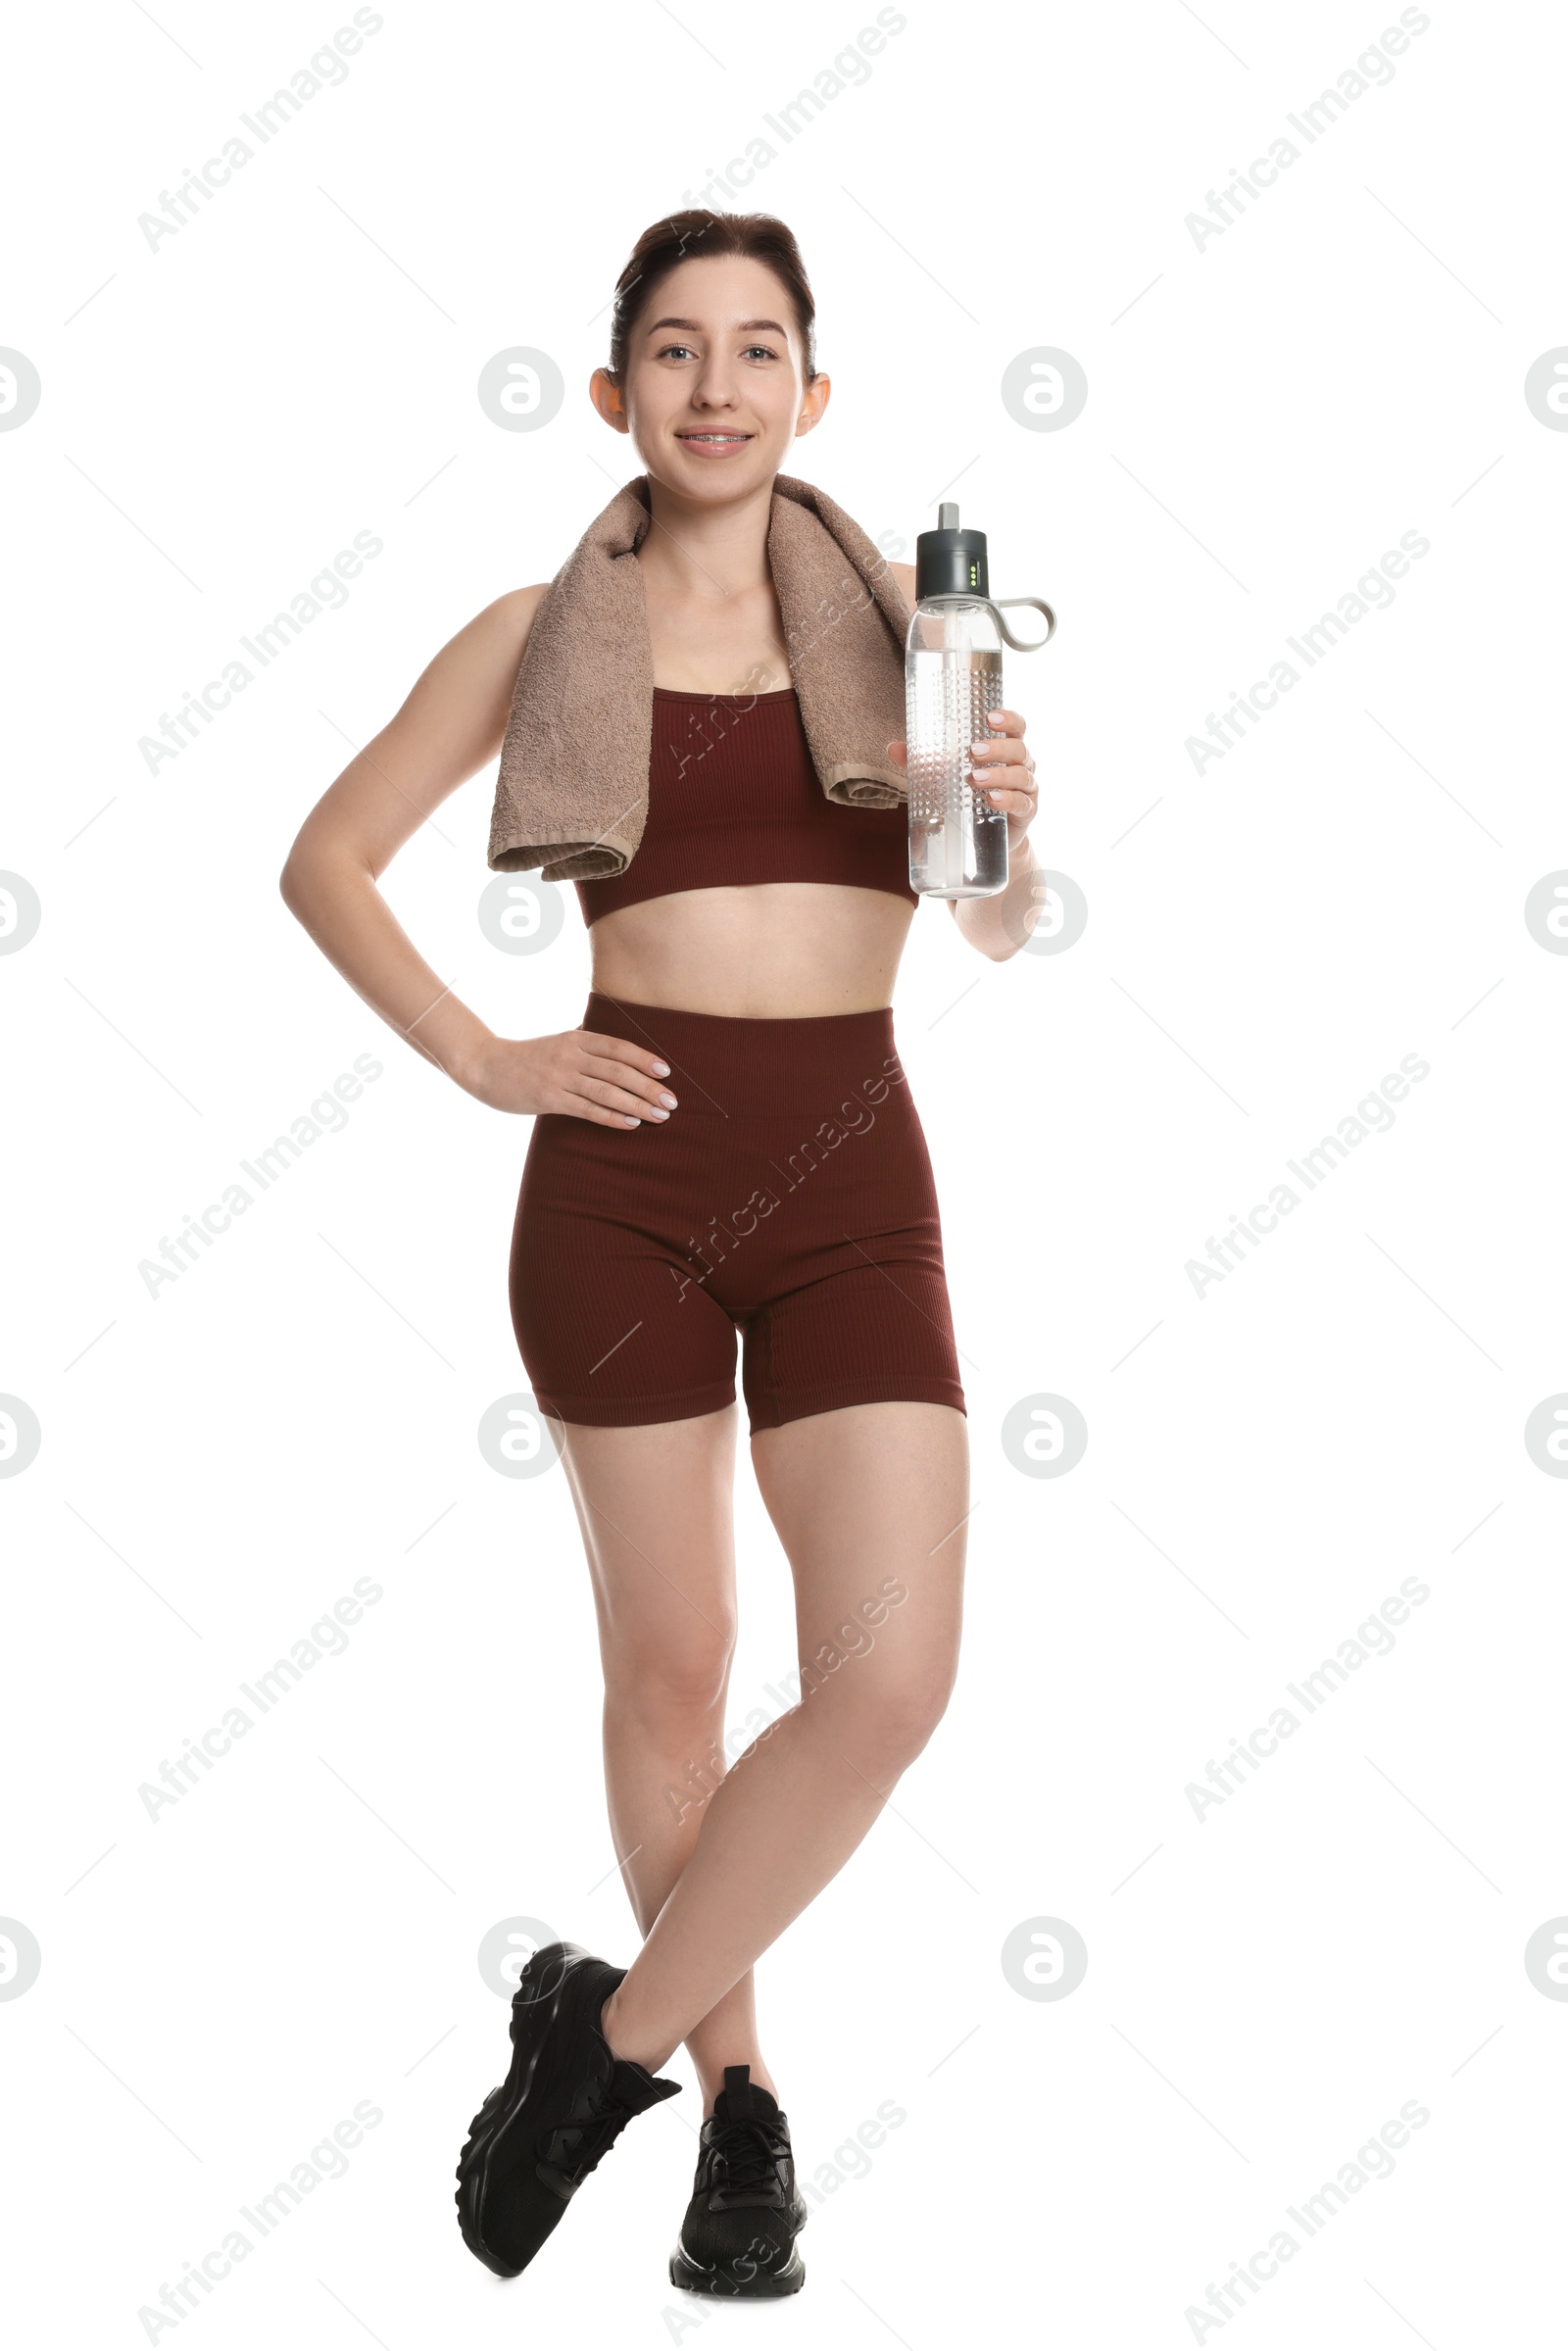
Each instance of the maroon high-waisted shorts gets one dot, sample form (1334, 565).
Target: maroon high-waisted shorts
(789, 1195)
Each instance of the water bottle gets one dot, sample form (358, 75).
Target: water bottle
(952, 676)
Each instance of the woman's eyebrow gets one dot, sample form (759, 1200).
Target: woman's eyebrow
(746, 327)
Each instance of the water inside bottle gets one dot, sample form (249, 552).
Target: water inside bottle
(958, 841)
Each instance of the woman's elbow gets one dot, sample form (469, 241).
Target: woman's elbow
(323, 871)
(291, 881)
(300, 882)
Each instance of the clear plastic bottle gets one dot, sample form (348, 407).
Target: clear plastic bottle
(952, 676)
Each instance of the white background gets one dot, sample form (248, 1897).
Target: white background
(1266, 414)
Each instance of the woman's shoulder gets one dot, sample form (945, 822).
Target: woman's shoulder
(508, 621)
(485, 654)
(467, 688)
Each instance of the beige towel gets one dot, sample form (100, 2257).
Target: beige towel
(572, 795)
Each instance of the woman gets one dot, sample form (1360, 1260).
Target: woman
(743, 966)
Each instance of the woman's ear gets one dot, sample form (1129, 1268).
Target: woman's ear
(607, 399)
(815, 400)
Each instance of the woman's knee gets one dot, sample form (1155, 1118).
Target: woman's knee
(891, 1718)
(672, 1679)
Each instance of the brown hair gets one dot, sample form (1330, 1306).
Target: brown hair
(699, 235)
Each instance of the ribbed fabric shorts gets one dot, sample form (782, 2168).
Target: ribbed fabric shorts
(789, 1197)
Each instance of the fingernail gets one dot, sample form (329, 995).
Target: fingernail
(996, 714)
(668, 1101)
(660, 1069)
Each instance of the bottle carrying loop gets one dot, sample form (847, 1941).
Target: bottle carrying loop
(1006, 604)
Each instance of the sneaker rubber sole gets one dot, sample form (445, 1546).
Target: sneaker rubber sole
(742, 2278)
(739, 2280)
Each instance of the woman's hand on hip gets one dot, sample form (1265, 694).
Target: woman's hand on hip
(578, 1074)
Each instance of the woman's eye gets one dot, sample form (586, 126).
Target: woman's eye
(685, 351)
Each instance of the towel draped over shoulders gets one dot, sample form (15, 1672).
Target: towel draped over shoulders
(571, 792)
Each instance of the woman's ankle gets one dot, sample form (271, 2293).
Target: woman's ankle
(622, 2040)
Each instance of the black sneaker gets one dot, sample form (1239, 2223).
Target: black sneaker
(740, 2229)
(565, 2101)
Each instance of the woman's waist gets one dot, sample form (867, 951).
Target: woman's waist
(735, 1065)
(771, 950)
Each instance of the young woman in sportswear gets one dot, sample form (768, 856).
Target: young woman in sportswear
(743, 970)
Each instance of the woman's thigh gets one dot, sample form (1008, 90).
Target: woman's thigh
(870, 1504)
(655, 1506)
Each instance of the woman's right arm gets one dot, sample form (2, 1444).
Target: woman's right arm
(450, 726)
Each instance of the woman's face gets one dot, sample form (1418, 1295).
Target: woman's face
(715, 390)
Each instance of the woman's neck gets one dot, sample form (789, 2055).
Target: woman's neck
(693, 551)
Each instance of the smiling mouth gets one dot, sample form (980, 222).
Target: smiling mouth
(714, 439)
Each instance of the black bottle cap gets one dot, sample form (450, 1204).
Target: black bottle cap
(949, 561)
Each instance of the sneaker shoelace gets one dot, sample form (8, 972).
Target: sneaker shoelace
(745, 2156)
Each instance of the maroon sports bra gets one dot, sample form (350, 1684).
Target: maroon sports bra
(733, 798)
